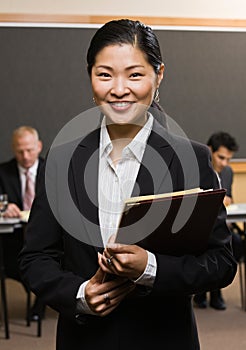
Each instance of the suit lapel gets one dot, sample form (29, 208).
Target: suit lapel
(154, 176)
(84, 181)
(153, 173)
(16, 183)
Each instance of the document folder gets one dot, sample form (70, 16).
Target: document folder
(176, 223)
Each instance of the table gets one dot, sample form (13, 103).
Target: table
(6, 226)
(237, 213)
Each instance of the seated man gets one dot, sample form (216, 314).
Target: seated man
(15, 174)
(222, 146)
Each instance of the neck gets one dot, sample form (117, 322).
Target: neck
(127, 131)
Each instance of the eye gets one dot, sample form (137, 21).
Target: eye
(136, 75)
(104, 75)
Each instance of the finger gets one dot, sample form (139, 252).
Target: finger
(112, 238)
(105, 266)
(12, 211)
(109, 258)
(117, 294)
(114, 248)
(98, 277)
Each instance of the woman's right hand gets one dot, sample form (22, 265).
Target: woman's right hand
(104, 297)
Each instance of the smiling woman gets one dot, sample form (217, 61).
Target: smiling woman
(125, 89)
(147, 302)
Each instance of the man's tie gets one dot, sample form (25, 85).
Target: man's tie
(29, 192)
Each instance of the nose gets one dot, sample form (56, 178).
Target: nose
(224, 162)
(25, 154)
(120, 87)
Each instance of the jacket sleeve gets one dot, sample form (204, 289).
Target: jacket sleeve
(215, 268)
(41, 259)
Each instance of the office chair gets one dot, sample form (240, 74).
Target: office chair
(28, 315)
(5, 308)
(240, 255)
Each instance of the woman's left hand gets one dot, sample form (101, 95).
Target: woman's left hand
(124, 260)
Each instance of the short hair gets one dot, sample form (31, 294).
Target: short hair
(21, 131)
(224, 139)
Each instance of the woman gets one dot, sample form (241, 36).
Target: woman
(148, 302)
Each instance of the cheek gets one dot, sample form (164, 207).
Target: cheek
(147, 92)
(99, 88)
(145, 88)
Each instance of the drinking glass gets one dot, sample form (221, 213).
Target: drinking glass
(3, 204)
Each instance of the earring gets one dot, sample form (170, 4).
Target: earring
(94, 99)
(157, 96)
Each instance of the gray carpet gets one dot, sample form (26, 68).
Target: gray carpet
(217, 329)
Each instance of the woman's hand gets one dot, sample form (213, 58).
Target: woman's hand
(104, 297)
(127, 261)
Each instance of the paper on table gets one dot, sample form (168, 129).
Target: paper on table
(9, 221)
(24, 215)
(231, 208)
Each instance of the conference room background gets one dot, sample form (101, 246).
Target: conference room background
(44, 82)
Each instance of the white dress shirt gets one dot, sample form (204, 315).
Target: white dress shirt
(115, 183)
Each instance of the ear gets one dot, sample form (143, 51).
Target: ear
(160, 74)
(40, 146)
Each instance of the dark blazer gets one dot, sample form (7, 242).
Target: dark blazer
(55, 262)
(10, 183)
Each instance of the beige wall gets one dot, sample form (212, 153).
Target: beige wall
(231, 9)
(239, 188)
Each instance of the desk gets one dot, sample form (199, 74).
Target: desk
(237, 213)
(6, 226)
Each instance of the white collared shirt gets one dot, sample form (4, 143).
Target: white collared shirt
(115, 184)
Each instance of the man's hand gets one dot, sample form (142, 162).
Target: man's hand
(227, 201)
(13, 211)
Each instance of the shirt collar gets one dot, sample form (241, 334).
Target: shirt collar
(136, 146)
(105, 142)
(33, 169)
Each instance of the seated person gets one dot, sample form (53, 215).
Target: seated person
(222, 146)
(26, 148)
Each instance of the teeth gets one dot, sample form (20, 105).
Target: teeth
(120, 104)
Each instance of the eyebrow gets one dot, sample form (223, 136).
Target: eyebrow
(223, 157)
(128, 68)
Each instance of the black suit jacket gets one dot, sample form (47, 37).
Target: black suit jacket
(55, 262)
(12, 244)
(10, 181)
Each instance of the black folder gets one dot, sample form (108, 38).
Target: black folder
(177, 223)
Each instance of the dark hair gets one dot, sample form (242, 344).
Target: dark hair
(224, 139)
(135, 33)
(125, 31)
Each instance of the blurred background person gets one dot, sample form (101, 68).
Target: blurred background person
(18, 180)
(222, 146)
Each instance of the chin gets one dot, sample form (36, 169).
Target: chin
(136, 115)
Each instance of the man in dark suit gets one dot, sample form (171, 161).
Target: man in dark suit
(222, 146)
(26, 148)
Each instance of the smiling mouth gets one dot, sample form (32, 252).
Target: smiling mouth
(120, 105)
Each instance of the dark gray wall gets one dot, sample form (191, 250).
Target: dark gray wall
(44, 83)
